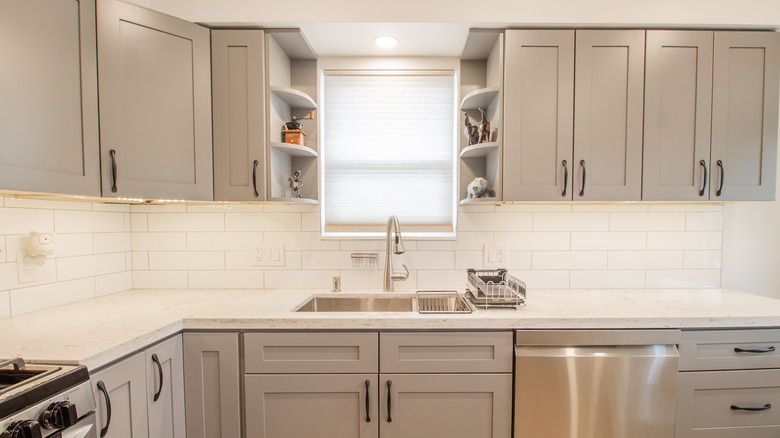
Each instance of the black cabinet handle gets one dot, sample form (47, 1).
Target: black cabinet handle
(389, 398)
(722, 178)
(156, 361)
(113, 170)
(703, 165)
(565, 177)
(254, 178)
(754, 350)
(582, 189)
(368, 402)
(102, 388)
(751, 409)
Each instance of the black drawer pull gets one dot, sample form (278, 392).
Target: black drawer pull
(751, 409)
(368, 402)
(754, 350)
(389, 399)
(102, 388)
(156, 361)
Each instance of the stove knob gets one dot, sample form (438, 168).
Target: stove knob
(59, 415)
(23, 429)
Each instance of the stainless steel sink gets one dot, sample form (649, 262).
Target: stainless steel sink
(359, 303)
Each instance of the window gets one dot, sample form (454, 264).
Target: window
(388, 149)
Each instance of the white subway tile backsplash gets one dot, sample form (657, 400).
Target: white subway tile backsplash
(436, 280)
(3, 251)
(519, 259)
(160, 279)
(683, 279)
(187, 222)
(5, 304)
(186, 260)
(310, 222)
(242, 260)
(704, 240)
(139, 222)
(69, 268)
(702, 260)
(645, 260)
(30, 299)
(535, 279)
(570, 222)
(158, 208)
(69, 245)
(326, 260)
(292, 208)
(466, 241)
(9, 278)
(704, 221)
(225, 279)
(549, 260)
(468, 259)
(647, 222)
(46, 204)
(303, 279)
(112, 283)
(425, 260)
(159, 241)
(609, 208)
(684, 207)
(223, 241)
(376, 244)
(262, 221)
(611, 279)
(614, 241)
(107, 206)
(88, 222)
(225, 208)
(494, 222)
(112, 242)
(535, 241)
(365, 280)
(24, 220)
(301, 241)
(140, 260)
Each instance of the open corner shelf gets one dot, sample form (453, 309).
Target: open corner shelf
(479, 150)
(296, 201)
(294, 150)
(479, 98)
(473, 201)
(294, 98)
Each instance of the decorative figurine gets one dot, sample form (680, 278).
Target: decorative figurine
(471, 131)
(484, 128)
(479, 188)
(295, 184)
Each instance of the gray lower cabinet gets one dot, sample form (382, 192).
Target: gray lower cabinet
(729, 384)
(311, 405)
(745, 84)
(238, 102)
(49, 113)
(155, 104)
(143, 395)
(211, 379)
(121, 391)
(678, 102)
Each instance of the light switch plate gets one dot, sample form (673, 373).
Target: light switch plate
(267, 254)
(495, 256)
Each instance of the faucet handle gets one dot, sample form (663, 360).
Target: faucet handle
(401, 277)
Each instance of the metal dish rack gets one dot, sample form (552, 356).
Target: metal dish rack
(494, 289)
(442, 302)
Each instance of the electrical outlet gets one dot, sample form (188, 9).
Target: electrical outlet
(495, 256)
(27, 272)
(268, 254)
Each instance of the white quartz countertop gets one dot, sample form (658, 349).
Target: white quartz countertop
(98, 331)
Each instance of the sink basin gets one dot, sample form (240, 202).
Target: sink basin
(360, 303)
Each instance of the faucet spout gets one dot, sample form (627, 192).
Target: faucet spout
(393, 238)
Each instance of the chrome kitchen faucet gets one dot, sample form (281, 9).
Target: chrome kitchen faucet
(393, 227)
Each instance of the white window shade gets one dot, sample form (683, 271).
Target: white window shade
(388, 149)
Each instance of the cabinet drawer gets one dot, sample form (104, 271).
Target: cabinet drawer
(705, 400)
(729, 349)
(456, 352)
(310, 352)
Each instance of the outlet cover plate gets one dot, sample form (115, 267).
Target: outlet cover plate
(27, 272)
(267, 254)
(495, 256)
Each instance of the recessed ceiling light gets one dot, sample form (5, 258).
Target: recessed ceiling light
(386, 41)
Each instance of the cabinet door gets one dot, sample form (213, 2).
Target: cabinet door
(125, 391)
(212, 399)
(678, 109)
(445, 405)
(155, 104)
(238, 78)
(744, 115)
(608, 114)
(48, 114)
(312, 405)
(165, 389)
(539, 114)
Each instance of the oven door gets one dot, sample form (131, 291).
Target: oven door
(85, 428)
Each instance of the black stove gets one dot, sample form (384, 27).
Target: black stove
(45, 400)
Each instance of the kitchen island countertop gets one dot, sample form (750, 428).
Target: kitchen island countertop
(98, 331)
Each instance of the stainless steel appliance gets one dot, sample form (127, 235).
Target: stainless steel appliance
(595, 383)
(42, 400)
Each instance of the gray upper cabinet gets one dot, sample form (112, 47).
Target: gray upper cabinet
(238, 102)
(538, 108)
(678, 99)
(155, 104)
(48, 115)
(744, 115)
(608, 115)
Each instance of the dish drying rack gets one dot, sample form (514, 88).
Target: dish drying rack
(441, 301)
(494, 289)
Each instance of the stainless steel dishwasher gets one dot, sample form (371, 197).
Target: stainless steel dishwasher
(595, 383)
